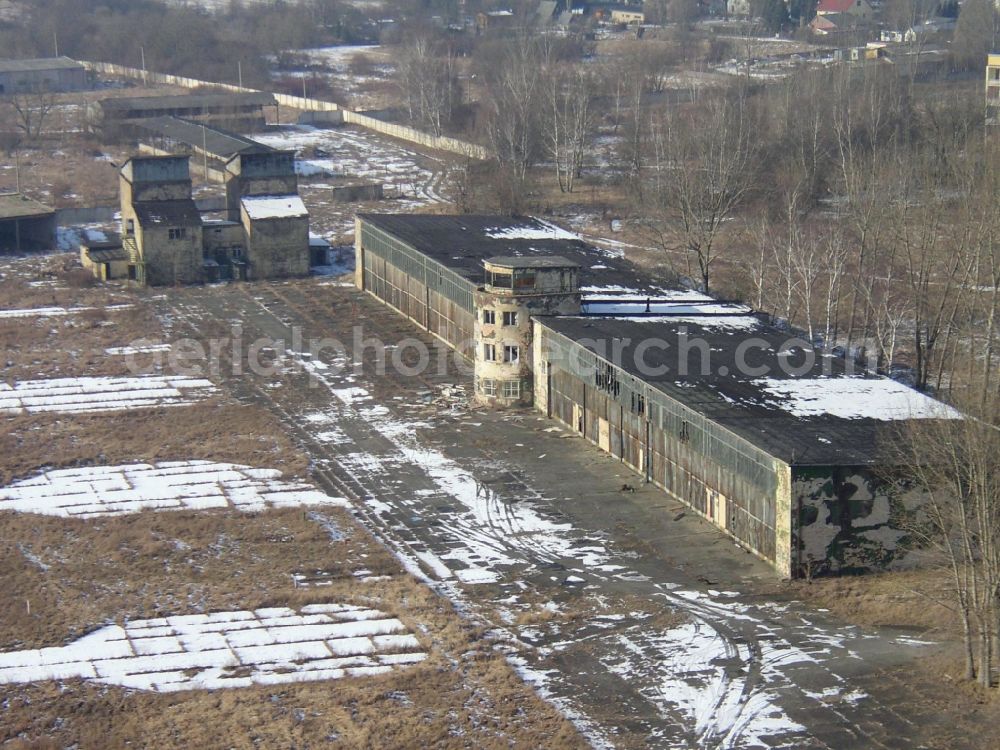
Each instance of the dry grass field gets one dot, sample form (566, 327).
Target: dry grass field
(61, 578)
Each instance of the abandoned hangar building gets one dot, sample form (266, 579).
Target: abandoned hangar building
(167, 240)
(774, 442)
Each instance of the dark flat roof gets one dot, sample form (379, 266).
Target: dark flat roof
(18, 206)
(107, 254)
(544, 261)
(799, 419)
(187, 101)
(216, 141)
(39, 63)
(463, 242)
(176, 213)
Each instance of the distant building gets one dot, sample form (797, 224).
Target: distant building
(44, 74)
(494, 20)
(860, 9)
(791, 466)
(212, 146)
(627, 15)
(993, 80)
(168, 241)
(116, 117)
(25, 224)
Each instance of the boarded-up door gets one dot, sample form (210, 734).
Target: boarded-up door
(604, 435)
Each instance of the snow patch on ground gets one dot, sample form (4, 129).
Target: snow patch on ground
(269, 646)
(175, 485)
(100, 394)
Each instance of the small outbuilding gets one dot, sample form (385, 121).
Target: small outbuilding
(107, 259)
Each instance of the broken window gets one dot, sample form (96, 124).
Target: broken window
(488, 387)
(501, 280)
(490, 352)
(684, 434)
(511, 353)
(489, 317)
(510, 318)
(638, 403)
(606, 379)
(524, 281)
(177, 234)
(512, 389)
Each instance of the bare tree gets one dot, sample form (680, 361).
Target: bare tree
(704, 167)
(33, 107)
(428, 80)
(568, 123)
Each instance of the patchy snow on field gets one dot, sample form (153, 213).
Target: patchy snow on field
(137, 348)
(54, 312)
(101, 394)
(347, 152)
(270, 646)
(854, 398)
(482, 524)
(175, 485)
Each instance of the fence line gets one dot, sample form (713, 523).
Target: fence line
(403, 132)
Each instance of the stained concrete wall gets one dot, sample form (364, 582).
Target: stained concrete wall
(847, 520)
(277, 248)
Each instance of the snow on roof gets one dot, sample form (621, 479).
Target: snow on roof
(537, 230)
(855, 398)
(274, 207)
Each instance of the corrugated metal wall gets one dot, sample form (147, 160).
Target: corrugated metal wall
(717, 473)
(431, 295)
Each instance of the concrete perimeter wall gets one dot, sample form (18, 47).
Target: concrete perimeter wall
(412, 135)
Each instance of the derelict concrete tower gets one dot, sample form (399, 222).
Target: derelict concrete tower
(516, 289)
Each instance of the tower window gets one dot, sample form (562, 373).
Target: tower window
(510, 318)
(511, 353)
(490, 352)
(489, 317)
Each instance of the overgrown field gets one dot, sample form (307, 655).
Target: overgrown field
(61, 578)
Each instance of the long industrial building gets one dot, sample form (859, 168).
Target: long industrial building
(773, 441)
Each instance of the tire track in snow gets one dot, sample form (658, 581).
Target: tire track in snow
(734, 704)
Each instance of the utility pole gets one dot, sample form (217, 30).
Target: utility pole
(239, 71)
(55, 41)
(17, 171)
(303, 87)
(142, 56)
(204, 150)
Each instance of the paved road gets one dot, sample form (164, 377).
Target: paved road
(635, 618)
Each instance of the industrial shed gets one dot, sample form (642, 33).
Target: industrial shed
(25, 224)
(211, 147)
(117, 117)
(774, 442)
(43, 74)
